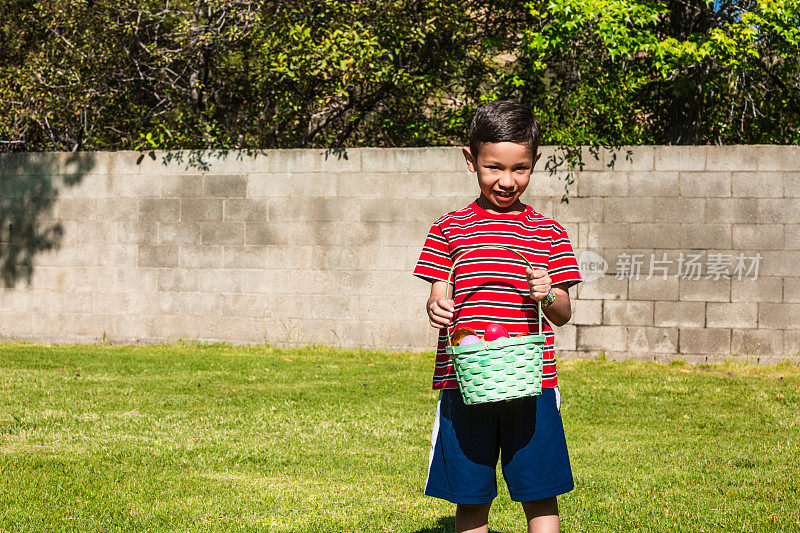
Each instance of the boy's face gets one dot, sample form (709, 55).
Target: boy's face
(504, 170)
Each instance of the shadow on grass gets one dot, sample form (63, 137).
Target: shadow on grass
(446, 525)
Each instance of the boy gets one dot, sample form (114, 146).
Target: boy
(495, 285)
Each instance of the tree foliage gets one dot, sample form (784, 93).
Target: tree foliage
(103, 75)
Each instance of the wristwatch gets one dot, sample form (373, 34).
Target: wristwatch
(549, 299)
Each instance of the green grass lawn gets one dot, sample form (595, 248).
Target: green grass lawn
(198, 438)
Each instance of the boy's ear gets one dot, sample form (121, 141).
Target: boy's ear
(536, 158)
(471, 164)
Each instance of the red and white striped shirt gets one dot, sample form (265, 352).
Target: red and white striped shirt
(490, 284)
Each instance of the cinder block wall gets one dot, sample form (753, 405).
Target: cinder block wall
(298, 247)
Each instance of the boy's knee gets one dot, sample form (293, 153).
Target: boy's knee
(545, 507)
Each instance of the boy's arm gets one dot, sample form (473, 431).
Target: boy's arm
(440, 310)
(560, 311)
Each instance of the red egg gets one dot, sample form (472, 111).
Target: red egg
(494, 332)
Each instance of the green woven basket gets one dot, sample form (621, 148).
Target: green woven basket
(501, 369)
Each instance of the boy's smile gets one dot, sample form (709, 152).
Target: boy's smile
(504, 170)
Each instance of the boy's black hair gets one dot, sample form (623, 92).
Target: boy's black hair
(501, 121)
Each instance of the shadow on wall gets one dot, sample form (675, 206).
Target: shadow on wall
(29, 186)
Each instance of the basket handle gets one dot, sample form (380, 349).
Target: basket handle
(460, 257)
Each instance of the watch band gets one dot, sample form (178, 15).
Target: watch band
(549, 299)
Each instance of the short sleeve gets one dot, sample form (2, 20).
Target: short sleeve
(562, 267)
(434, 262)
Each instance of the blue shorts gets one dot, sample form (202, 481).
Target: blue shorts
(526, 433)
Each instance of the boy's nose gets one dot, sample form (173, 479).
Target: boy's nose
(506, 181)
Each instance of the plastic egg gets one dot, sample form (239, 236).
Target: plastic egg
(460, 333)
(494, 332)
(469, 339)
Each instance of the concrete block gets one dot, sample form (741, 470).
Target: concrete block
(593, 159)
(182, 186)
(545, 184)
(246, 305)
(343, 282)
(100, 232)
(778, 158)
(757, 341)
(602, 184)
(566, 338)
(654, 184)
(314, 160)
(579, 210)
(704, 290)
(543, 206)
(605, 288)
(117, 209)
(733, 158)
(704, 341)
(772, 263)
(378, 308)
(335, 257)
(333, 306)
(453, 184)
(178, 279)
(779, 210)
(791, 289)
(200, 256)
(139, 186)
(600, 235)
(758, 237)
(705, 236)
(680, 158)
(441, 159)
(684, 210)
(289, 258)
(160, 256)
(398, 283)
(779, 316)
(277, 233)
(180, 233)
(118, 255)
(652, 340)
(731, 210)
(244, 256)
(166, 209)
(628, 313)
(200, 209)
(224, 186)
(410, 185)
(682, 314)
(587, 312)
(791, 343)
(630, 158)
(297, 185)
(241, 209)
(74, 209)
(628, 209)
(757, 290)
(92, 278)
(731, 315)
(663, 235)
(705, 184)
(365, 233)
(791, 184)
(362, 186)
(792, 236)
(655, 288)
(757, 184)
(136, 279)
(602, 338)
(222, 232)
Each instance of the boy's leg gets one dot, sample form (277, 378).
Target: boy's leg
(542, 515)
(472, 518)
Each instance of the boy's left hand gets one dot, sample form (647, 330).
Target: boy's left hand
(539, 283)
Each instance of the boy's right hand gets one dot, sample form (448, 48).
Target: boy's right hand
(440, 312)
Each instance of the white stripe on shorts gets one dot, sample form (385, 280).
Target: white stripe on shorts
(434, 434)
